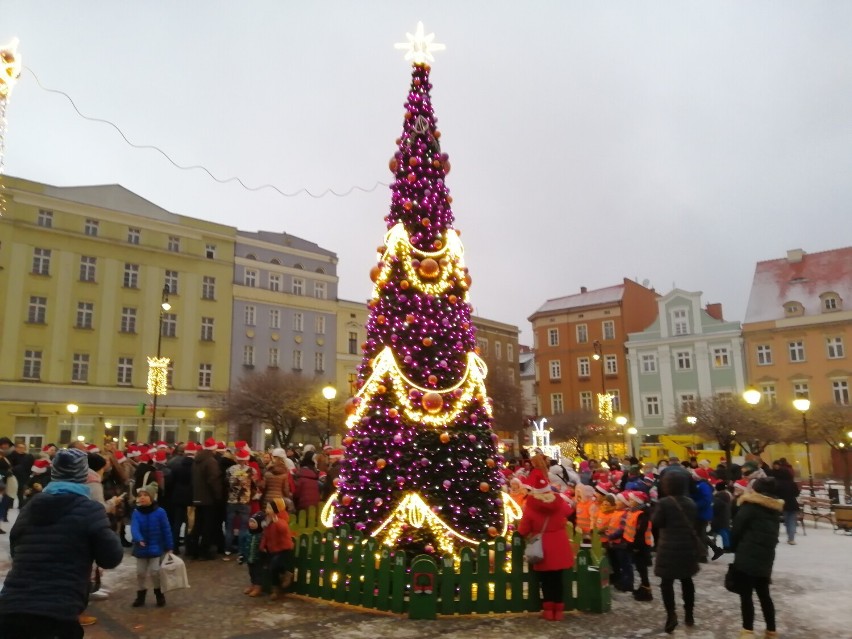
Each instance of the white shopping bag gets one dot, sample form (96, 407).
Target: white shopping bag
(173, 573)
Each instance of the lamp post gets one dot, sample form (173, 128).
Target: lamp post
(200, 414)
(632, 432)
(72, 410)
(158, 368)
(604, 398)
(621, 420)
(802, 405)
(329, 392)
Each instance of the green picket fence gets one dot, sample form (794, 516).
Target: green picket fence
(341, 565)
(305, 522)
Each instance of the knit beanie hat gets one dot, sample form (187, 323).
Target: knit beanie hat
(258, 519)
(278, 505)
(96, 462)
(151, 489)
(70, 464)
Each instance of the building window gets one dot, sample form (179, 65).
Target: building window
(510, 353)
(174, 244)
(555, 369)
(32, 365)
(801, 390)
(134, 235)
(250, 315)
(298, 287)
(769, 396)
(498, 350)
(87, 268)
(557, 406)
(721, 358)
(170, 374)
(319, 324)
(274, 282)
(273, 358)
(353, 343)
(683, 360)
(41, 261)
(582, 334)
(90, 228)
(37, 311)
(834, 346)
(274, 318)
(297, 360)
(840, 388)
(80, 368)
(85, 314)
(829, 304)
(45, 218)
(796, 350)
(553, 337)
(205, 375)
(319, 362)
(206, 329)
(131, 276)
(210, 251)
(649, 363)
(764, 355)
(171, 282)
(687, 403)
(611, 364)
(248, 355)
(482, 345)
(792, 309)
(584, 368)
(250, 277)
(615, 394)
(124, 375)
(608, 329)
(298, 322)
(651, 405)
(320, 290)
(586, 401)
(128, 320)
(208, 288)
(680, 322)
(169, 325)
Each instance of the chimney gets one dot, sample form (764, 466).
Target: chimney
(795, 255)
(715, 311)
(583, 289)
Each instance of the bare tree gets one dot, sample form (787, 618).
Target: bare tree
(717, 418)
(505, 393)
(577, 428)
(278, 401)
(832, 423)
(764, 426)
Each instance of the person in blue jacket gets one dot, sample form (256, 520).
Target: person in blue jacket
(701, 493)
(152, 538)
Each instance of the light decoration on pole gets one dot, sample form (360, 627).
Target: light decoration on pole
(421, 470)
(158, 370)
(541, 439)
(10, 71)
(605, 406)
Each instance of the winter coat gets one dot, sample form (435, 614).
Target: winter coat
(755, 533)
(558, 553)
(307, 488)
(151, 525)
(277, 481)
(276, 535)
(701, 493)
(787, 489)
(722, 500)
(181, 480)
(674, 529)
(208, 487)
(53, 544)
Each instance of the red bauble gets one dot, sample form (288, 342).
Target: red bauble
(413, 161)
(351, 405)
(393, 413)
(432, 402)
(381, 463)
(375, 272)
(445, 438)
(404, 284)
(429, 268)
(393, 165)
(427, 341)
(409, 318)
(490, 462)
(346, 500)
(425, 222)
(485, 486)
(381, 389)
(412, 178)
(492, 531)
(437, 244)
(433, 379)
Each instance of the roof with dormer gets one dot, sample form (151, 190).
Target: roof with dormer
(608, 295)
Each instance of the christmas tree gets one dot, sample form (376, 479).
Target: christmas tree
(421, 470)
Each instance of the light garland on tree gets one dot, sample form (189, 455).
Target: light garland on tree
(605, 406)
(158, 376)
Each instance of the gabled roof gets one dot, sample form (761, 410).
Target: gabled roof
(802, 280)
(608, 295)
(110, 196)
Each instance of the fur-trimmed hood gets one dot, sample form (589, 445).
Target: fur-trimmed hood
(761, 500)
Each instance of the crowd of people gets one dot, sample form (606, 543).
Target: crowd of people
(81, 506)
(667, 515)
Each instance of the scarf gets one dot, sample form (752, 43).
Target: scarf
(67, 488)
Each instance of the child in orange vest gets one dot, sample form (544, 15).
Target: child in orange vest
(587, 509)
(616, 549)
(637, 535)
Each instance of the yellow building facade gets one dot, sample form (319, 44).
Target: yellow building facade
(83, 273)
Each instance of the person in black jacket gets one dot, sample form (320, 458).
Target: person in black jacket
(753, 539)
(181, 491)
(53, 543)
(787, 489)
(677, 544)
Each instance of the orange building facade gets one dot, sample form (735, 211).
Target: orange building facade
(569, 331)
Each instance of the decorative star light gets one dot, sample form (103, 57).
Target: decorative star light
(10, 67)
(419, 47)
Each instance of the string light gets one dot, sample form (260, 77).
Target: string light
(158, 376)
(10, 71)
(605, 406)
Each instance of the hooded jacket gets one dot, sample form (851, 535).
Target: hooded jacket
(755, 533)
(674, 528)
(53, 544)
(558, 553)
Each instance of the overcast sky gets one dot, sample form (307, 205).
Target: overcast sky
(675, 142)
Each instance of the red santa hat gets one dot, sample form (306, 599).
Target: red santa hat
(92, 449)
(162, 444)
(40, 466)
(119, 456)
(210, 444)
(220, 446)
(537, 482)
(603, 488)
(639, 497)
(243, 454)
(144, 457)
(133, 451)
(335, 454)
(740, 485)
(623, 497)
(160, 456)
(191, 448)
(241, 444)
(46, 449)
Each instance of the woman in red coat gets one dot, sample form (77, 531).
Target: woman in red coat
(545, 510)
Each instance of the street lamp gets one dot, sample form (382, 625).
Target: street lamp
(329, 392)
(604, 398)
(751, 396)
(621, 420)
(158, 367)
(72, 409)
(632, 432)
(802, 405)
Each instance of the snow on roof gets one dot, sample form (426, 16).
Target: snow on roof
(790, 279)
(606, 295)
